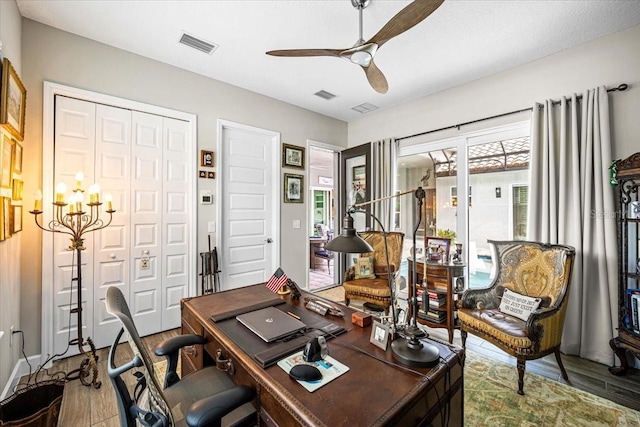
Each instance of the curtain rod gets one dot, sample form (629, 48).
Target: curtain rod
(621, 87)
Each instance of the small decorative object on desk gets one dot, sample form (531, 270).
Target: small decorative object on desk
(322, 307)
(380, 335)
(277, 282)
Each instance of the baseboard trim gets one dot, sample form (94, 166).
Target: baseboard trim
(19, 370)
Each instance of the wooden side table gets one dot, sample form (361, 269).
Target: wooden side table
(439, 279)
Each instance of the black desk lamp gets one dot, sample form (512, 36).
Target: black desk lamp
(411, 351)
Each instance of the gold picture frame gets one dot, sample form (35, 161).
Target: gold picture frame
(16, 193)
(13, 101)
(293, 188)
(292, 156)
(5, 218)
(17, 158)
(6, 159)
(16, 219)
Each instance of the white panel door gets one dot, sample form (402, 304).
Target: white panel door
(247, 213)
(146, 201)
(112, 172)
(175, 220)
(74, 151)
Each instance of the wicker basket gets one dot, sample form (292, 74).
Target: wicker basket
(37, 405)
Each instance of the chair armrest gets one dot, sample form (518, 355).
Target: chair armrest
(170, 349)
(208, 411)
(541, 323)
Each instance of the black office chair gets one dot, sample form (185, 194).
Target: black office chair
(200, 399)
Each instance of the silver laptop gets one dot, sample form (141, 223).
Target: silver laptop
(270, 323)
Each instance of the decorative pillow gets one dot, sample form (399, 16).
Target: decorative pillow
(518, 305)
(364, 268)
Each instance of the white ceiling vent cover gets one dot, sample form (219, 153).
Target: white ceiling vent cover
(198, 44)
(364, 108)
(325, 95)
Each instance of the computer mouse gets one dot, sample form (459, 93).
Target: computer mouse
(305, 373)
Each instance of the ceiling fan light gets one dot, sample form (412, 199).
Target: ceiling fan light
(362, 58)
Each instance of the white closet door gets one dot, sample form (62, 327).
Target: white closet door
(176, 226)
(74, 151)
(112, 172)
(146, 218)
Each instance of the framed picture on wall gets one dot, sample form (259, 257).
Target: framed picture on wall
(17, 158)
(292, 156)
(206, 158)
(6, 156)
(293, 188)
(16, 219)
(12, 104)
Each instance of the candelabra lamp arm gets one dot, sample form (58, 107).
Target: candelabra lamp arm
(51, 227)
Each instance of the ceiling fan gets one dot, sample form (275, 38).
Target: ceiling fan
(362, 52)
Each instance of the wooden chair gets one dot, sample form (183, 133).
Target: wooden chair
(324, 254)
(530, 269)
(375, 290)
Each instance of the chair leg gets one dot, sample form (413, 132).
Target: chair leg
(463, 337)
(559, 360)
(521, 364)
(346, 301)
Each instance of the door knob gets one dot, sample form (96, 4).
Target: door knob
(269, 240)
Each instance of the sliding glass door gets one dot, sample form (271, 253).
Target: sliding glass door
(476, 189)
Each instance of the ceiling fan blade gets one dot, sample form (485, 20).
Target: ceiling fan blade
(305, 52)
(376, 79)
(407, 18)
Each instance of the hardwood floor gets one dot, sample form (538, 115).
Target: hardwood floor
(84, 406)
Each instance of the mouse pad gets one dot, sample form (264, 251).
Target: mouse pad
(329, 367)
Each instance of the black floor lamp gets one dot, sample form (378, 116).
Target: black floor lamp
(410, 350)
(76, 222)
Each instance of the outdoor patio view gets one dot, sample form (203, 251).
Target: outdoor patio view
(494, 206)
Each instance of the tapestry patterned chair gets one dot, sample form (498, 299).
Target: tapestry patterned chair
(522, 312)
(375, 288)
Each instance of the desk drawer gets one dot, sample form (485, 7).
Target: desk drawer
(192, 355)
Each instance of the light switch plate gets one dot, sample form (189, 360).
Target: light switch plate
(211, 227)
(296, 223)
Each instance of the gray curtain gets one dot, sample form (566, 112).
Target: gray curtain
(384, 177)
(571, 202)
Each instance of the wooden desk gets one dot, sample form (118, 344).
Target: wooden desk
(372, 393)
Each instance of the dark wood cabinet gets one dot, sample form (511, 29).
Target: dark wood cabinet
(447, 282)
(628, 217)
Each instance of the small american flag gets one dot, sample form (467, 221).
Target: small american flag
(278, 280)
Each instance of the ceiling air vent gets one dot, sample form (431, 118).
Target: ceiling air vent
(364, 108)
(198, 44)
(325, 95)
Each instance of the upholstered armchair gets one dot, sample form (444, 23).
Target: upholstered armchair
(523, 310)
(375, 288)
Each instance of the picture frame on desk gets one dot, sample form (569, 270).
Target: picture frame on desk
(379, 335)
(437, 248)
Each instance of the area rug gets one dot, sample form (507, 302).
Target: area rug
(491, 398)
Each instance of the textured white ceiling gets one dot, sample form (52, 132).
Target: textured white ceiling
(461, 41)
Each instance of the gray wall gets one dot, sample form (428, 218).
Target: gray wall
(60, 57)
(10, 250)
